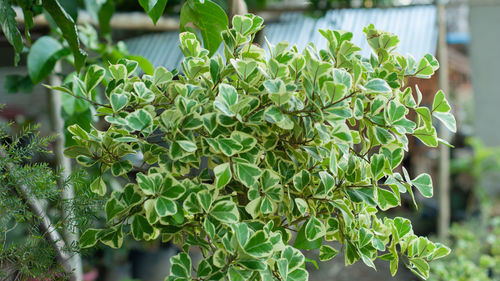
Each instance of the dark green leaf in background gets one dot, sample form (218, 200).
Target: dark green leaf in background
(209, 18)
(68, 28)
(9, 28)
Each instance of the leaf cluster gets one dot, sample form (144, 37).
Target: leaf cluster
(244, 149)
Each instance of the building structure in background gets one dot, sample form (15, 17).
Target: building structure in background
(485, 58)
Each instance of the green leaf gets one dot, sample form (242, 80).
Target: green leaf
(327, 253)
(420, 267)
(315, 229)
(225, 211)
(139, 120)
(150, 184)
(187, 146)
(10, 30)
(113, 237)
(119, 101)
(143, 92)
(68, 28)
(342, 77)
(208, 18)
(395, 157)
(247, 174)
(205, 197)
(165, 207)
(424, 69)
(298, 275)
(235, 274)
(150, 211)
(301, 242)
(295, 259)
(88, 238)
(258, 245)
(244, 68)
(359, 195)
(447, 119)
(277, 91)
(242, 24)
(301, 205)
(424, 115)
(335, 91)
(223, 175)
(15, 83)
(226, 98)
(181, 266)
(383, 136)
(154, 8)
(377, 165)
(402, 227)
(386, 199)
(172, 189)
(112, 208)
(121, 167)
(191, 205)
(141, 229)
(327, 184)
(242, 233)
(98, 186)
(301, 180)
(209, 228)
(162, 76)
(440, 251)
(118, 71)
(440, 104)
(424, 184)
(93, 77)
(378, 85)
(43, 56)
(85, 161)
(351, 254)
(245, 140)
(395, 111)
(273, 114)
(144, 63)
(229, 146)
(427, 136)
(106, 11)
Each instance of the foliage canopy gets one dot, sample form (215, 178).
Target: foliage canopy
(242, 150)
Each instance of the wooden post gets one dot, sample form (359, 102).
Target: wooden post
(444, 151)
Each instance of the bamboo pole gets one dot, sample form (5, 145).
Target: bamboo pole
(70, 231)
(444, 151)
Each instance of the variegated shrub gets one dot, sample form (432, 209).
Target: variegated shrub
(254, 154)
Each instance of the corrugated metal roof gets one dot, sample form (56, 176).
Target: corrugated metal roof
(416, 27)
(161, 49)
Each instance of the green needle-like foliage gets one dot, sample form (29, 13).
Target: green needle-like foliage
(241, 151)
(27, 249)
(23, 250)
